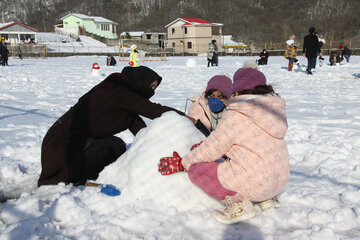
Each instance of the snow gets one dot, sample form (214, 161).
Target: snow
(321, 200)
(62, 43)
(227, 41)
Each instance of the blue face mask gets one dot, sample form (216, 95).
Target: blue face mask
(215, 104)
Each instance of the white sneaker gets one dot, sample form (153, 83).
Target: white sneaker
(271, 203)
(235, 212)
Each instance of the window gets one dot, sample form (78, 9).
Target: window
(173, 44)
(105, 27)
(173, 31)
(189, 45)
(65, 23)
(185, 30)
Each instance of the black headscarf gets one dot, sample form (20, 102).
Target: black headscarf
(136, 78)
(139, 79)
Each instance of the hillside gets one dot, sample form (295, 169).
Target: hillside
(246, 20)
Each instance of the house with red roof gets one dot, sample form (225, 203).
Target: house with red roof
(192, 35)
(15, 32)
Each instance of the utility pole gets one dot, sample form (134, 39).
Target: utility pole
(43, 18)
(2, 17)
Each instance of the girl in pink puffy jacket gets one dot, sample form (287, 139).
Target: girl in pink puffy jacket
(209, 108)
(250, 139)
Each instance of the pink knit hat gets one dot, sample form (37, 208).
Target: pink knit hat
(247, 78)
(221, 83)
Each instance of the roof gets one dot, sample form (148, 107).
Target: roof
(195, 22)
(94, 18)
(8, 24)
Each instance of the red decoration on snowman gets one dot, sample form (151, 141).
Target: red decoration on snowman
(95, 67)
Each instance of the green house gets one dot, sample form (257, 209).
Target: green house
(80, 24)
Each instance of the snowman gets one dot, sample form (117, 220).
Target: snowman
(95, 69)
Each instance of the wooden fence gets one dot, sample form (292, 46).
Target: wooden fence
(275, 49)
(330, 44)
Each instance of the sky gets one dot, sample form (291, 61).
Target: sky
(320, 201)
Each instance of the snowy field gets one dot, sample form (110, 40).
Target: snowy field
(61, 43)
(321, 200)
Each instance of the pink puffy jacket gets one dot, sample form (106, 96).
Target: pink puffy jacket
(200, 110)
(251, 134)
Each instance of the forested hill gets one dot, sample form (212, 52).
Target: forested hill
(246, 20)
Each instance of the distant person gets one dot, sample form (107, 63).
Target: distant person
(82, 142)
(110, 61)
(19, 53)
(264, 55)
(212, 54)
(321, 44)
(290, 52)
(310, 49)
(345, 52)
(335, 57)
(4, 53)
(134, 59)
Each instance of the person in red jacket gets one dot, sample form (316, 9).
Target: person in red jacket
(81, 143)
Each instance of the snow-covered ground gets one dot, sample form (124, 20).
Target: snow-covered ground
(321, 200)
(61, 43)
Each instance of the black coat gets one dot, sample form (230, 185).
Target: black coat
(4, 52)
(110, 61)
(113, 106)
(311, 46)
(263, 58)
(345, 52)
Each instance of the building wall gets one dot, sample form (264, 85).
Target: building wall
(198, 37)
(16, 34)
(154, 37)
(71, 24)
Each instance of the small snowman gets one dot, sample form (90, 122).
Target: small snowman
(95, 69)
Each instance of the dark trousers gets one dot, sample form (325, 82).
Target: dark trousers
(98, 153)
(311, 63)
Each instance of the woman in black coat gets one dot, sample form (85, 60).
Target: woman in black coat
(264, 55)
(81, 143)
(4, 53)
(310, 49)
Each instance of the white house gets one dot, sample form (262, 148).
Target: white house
(132, 34)
(15, 32)
(231, 46)
(145, 37)
(154, 37)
